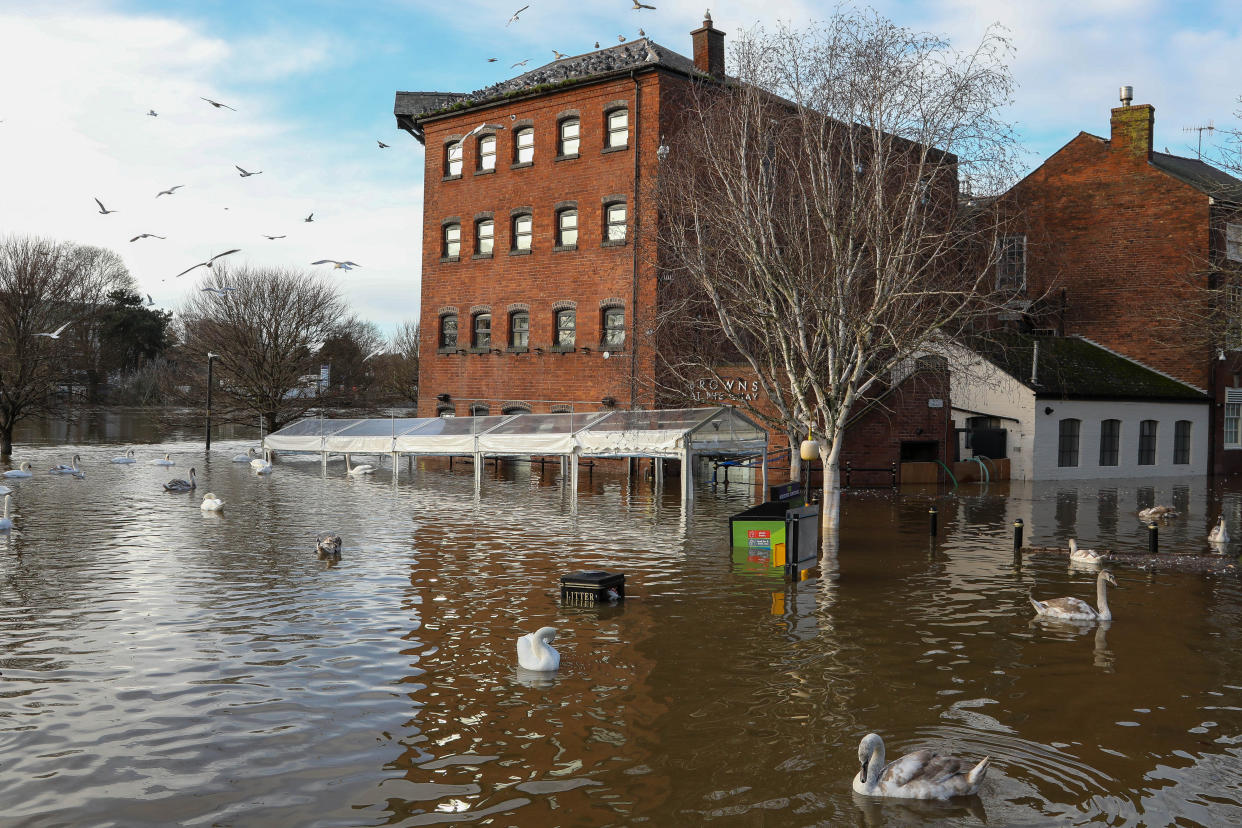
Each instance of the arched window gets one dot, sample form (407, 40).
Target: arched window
(519, 329)
(566, 327)
(1067, 445)
(445, 410)
(479, 410)
(612, 327)
(452, 158)
(1147, 443)
(523, 229)
(524, 145)
(1110, 442)
(487, 152)
(448, 330)
(567, 228)
(1181, 442)
(617, 126)
(482, 330)
(567, 137)
(484, 237)
(515, 409)
(452, 241)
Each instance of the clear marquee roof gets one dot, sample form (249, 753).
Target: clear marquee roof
(721, 431)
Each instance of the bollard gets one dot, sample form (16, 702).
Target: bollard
(1153, 538)
(932, 526)
(1017, 537)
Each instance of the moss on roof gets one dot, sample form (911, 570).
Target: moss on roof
(1071, 367)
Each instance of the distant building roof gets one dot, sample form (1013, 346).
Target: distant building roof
(1201, 176)
(1072, 367)
(618, 59)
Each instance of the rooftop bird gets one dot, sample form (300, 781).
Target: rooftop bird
(516, 13)
(338, 265)
(169, 191)
(638, 5)
(220, 291)
(153, 113)
(103, 211)
(641, 33)
(210, 261)
(597, 44)
(272, 238)
(245, 174)
(216, 104)
(520, 63)
(559, 55)
(146, 236)
(311, 217)
(620, 38)
(56, 333)
(382, 145)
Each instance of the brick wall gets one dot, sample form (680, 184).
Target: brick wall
(874, 438)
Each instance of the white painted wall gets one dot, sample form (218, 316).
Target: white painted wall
(980, 387)
(1090, 412)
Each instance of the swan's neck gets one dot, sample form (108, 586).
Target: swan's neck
(875, 766)
(6, 505)
(1101, 599)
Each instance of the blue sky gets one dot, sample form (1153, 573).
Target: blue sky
(313, 86)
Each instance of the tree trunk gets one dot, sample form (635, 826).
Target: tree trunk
(6, 440)
(795, 459)
(830, 493)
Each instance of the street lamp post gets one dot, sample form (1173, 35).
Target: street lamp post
(210, 359)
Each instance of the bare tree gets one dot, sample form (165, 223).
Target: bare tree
(265, 331)
(46, 287)
(811, 238)
(398, 368)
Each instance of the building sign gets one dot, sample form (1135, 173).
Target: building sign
(323, 375)
(723, 390)
(934, 403)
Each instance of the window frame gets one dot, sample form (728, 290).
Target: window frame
(561, 139)
(454, 156)
(610, 225)
(479, 238)
(519, 147)
(1147, 442)
(559, 329)
(611, 132)
(1233, 241)
(1069, 438)
(1011, 273)
(517, 235)
(481, 164)
(1232, 418)
(1110, 444)
(605, 330)
(561, 228)
(476, 333)
(445, 344)
(1182, 430)
(447, 253)
(514, 330)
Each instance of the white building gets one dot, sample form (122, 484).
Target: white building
(1071, 409)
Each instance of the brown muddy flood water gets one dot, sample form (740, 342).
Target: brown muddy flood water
(164, 666)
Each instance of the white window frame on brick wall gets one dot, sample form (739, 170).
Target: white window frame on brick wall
(524, 146)
(1011, 264)
(570, 131)
(567, 228)
(484, 237)
(617, 122)
(519, 336)
(452, 158)
(523, 231)
(487, 152)
(1233, 242)
(452, 241)
(1233, 418)
(615, 221)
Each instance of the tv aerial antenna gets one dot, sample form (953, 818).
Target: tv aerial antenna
(1208, 127)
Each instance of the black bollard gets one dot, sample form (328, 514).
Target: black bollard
(1017, 537)
(1153, 538)
(932, 526)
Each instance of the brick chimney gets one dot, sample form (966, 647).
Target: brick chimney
(709, 48)
(1132, 127)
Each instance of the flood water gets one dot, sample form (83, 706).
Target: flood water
(164, 666)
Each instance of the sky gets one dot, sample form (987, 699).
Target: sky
(312, 85)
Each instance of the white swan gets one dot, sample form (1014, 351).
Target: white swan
(1091, 557)
(328, 546)
(1075, 609)
(361, 468)
(24, 470)
(6, 523)
(262, 465)
(1157, 513)
(923, 774)
(211, 503)
(179, 485)
(5, 490)
(128, 457)
(61, 468)
(1219, 533)
(165, 461)
(244, 458)
(535, 653)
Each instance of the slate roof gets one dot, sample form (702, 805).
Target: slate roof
(618, 59)
(1201, 176)
(1073, 367)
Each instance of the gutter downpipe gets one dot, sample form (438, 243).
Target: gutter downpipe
(638, 148)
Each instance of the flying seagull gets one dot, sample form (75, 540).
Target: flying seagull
(217, 104)
(220, 291)
(482, 127)
(520, 63)
(382, 145)
(337, 265)
(210, 261)
(374, 353)
(56, 333)
(150, 301)
(153, 113)
(271, 238)
(103, 211)
(311, 217)
(638, 5)
(169, 191)
(146, 236)
(245, 174)
(516, 13)
(559, 55)
(492, 60)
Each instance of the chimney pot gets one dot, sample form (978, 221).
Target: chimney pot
(709, 48)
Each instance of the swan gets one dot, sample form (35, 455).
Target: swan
(244, 458)
(535, 653)
(262, 465)
(361, 468)
(923, 774)
(1091, 557)
(328, 546)
(127, 458)
(211, 503)
(179, 485)
(164, 462)
(61, 468)
(22, 471)
(1219, 533)
(6, 523)
(5, 490)
(1157, 513)
(1074, 609)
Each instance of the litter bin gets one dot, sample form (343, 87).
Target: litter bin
(780, 532)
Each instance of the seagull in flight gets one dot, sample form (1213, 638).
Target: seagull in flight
(153, 113)
(338, 265)
(559, 55)
(638, 5)
(220, 291)
(272, 238)
(375, 353)
(150, 301)
(516, 13)
(245, 174)
(492, 60)
(103, 211)
(520, 63)
(216, 104)
(146, 236)
(169, 191)
(210, 261)
(56, 333)
(482, 127)
(311, 217)
(382, 145)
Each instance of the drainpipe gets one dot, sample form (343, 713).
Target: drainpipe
(638, 148)
(1034, 362)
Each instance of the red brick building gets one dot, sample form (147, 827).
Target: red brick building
(1118, 239)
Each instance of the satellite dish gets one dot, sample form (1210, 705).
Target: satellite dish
(606, 355)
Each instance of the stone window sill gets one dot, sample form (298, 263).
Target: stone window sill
(613, 243)
(451, 177)
(525, 252)
(562, 248)
(447, 349)
(621, 148)
(448, 259)
(563, 349)
(485, 172)
(569, 157)
(521, 165)
(477, 350)
(514, 349)
(481, 256)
